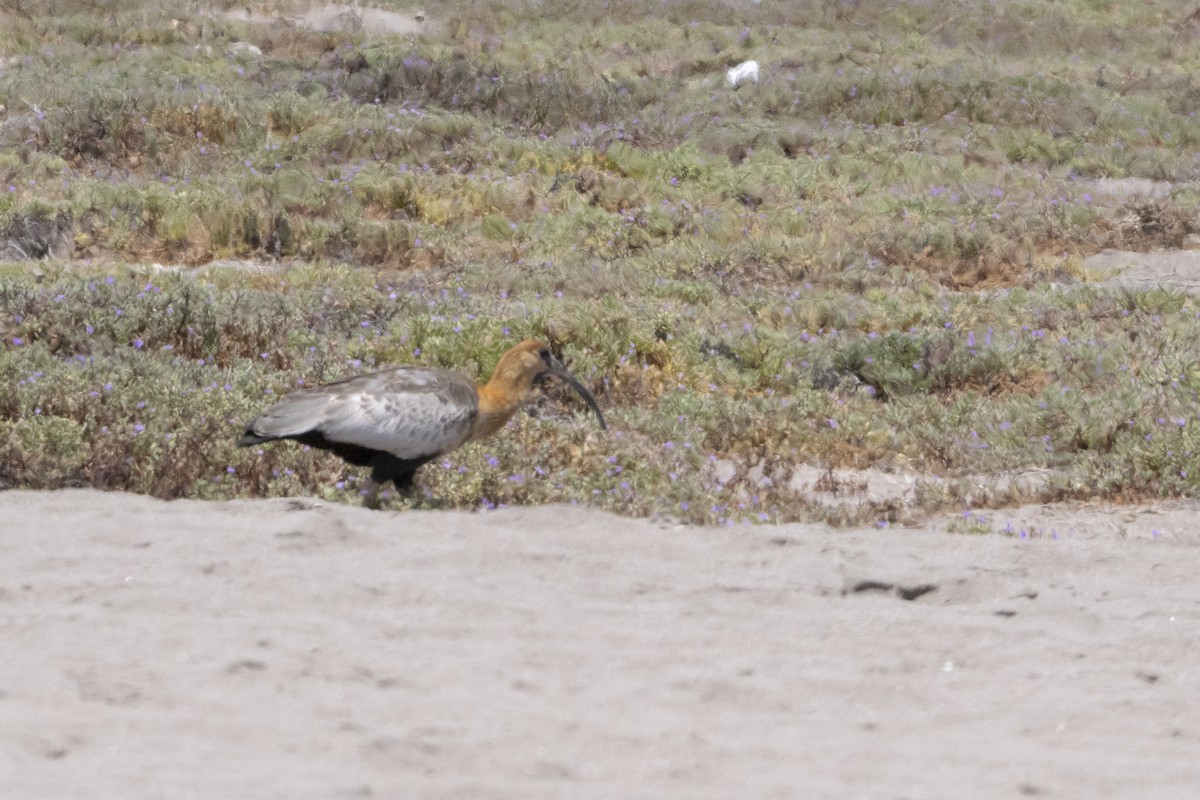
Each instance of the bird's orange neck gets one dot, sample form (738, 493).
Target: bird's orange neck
(510, 386)
(496, 405)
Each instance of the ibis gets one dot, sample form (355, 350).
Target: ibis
(398, 419)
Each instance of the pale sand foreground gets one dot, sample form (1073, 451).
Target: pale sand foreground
(275, 650)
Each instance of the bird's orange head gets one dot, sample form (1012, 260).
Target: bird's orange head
(522, 365)
(512, 382)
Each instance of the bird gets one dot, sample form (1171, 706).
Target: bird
(396, 420)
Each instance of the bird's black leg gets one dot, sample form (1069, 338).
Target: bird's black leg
(404, 480)
(386, 467)
(371, 494)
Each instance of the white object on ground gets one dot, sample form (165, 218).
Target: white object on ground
(746, 72)
(243, 49)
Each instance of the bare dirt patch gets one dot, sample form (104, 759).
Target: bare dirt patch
(902, 491)
(335, 17)
(1177, 270)
(1130, 188)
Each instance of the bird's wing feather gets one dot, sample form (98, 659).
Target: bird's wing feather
(297, 413)
(410, 412)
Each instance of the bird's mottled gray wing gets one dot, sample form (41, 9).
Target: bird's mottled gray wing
(410, 412)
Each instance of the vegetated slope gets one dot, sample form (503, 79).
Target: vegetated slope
(786, 273)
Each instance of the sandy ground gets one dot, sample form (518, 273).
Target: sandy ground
(286, 649)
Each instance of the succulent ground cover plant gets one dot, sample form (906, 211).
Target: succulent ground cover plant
(870, 258)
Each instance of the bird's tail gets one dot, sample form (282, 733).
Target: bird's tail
(250, 437)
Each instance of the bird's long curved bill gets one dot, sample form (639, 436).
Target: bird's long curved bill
(560, 372)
